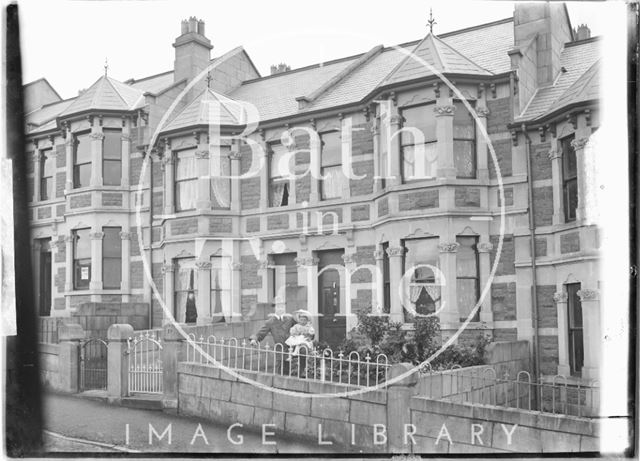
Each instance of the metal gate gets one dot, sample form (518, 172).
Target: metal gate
(93, 365)
(145, 365)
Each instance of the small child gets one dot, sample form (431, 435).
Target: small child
(302, 333)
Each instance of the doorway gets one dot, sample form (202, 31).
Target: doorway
(44, 307)
(332, 327)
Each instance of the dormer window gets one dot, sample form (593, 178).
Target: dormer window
(418, 143)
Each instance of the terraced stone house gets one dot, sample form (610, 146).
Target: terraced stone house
(221, 247)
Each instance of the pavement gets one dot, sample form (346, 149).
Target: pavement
(79, 425)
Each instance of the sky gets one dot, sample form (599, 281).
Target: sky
(67, 42)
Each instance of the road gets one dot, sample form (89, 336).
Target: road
(74, 424)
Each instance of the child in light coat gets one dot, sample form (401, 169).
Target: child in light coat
(302, 333)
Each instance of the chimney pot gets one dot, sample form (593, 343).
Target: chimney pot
(184, 27)
(201, 27)
(583, 32)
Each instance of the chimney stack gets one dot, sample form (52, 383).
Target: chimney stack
(280, 68)
(582, 32)
(193, 50)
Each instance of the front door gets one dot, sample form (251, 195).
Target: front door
(45, 284)
(332, 326)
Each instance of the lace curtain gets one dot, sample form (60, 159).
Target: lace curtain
(332, 184)
(277, 192)
(186, 181)
(221, 186)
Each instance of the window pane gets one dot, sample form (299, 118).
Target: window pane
(46, 188)
(111, 172)
(111, 273)
(279, 192)
(111, 242)
(467, 291)
(571, 199)
(48, 163)
(82, 273)
(463, 123)
(82, 175)
(277, 167)
(221, 186)
(463, 152)
(421, 251)
(82, 244)
(419, 162)
(569, 169)
(332, 184)
(186, 275)
(331, 153)
(421, 117)
(186, 195)
(112, 144)
(466, 260)
(82, 149)
(186, 165)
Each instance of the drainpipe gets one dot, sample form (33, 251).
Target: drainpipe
(150, 316)
(534, 280)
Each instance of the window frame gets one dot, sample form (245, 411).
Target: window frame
(178, 182)
(176, 265)
(107, 161)
(573, 329)
(105, 230)
(225, 292)
(472, 141)
(570, 215)
(323, 168)
(476, 317)
(414, 279)
(272, 178)
(403, 145)
(77, 166)
(79, 263)
(44, 156)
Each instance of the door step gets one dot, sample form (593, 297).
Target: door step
(143, 401)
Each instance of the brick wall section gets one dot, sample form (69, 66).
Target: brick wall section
(361, 139)
(184, 226)
(76, 301)
(80, 201)
(60, 210)
(158, 174)
(505, 334)
(158, 280)
(219, 224)
(363, 255)
(569, 243)
(111, 199)
(250, 277)
(303, 189)
(508, 196)
(419, 200)
(59, 304)
(506, 265)
(250, 187)
(383, 206)
(60, 279)
(60, 183)
(156, 233)
(540, 161)
(541, 246)
(135, 166)
(61, 156)
(135, 248)
(328, 218)
(547, 310)
(360, 213)
(302, 159)
(467, 196)
(504, 155)
(364, 185)
(362, 301)
(543, 200)
(500, 115)
(31, 162)
(30, 190)
(503, 301)
(44, 212)
(278, 221)
(137, 274)
(61, 252)
(247, 305)
(548, 355)
(253, 224)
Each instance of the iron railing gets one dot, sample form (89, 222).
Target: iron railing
(311, 364)
(145, 364)
(93, 364)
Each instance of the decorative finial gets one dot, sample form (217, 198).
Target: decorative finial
(106, 66)
(208, 79)
(431, 21)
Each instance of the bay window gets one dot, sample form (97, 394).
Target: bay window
(112, 157)
(186, 180)
(467, 277)
(569, 179)
(418, 143)
(81, 259)
(333, 179)
(279, 183)
(464, 141)
(81, 160)
(423, 291)
(111, 258)
(47, 168)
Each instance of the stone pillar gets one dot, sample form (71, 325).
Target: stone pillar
(379, 257)
(125, 284)
(96, 153)
(203, 302)
(398, 407)
(484, 161)
(449, 316)
(555, 155)
(444, 134)
(203, 193)
(264, 178)
(234, 312)
(579, 145)
(167, 270)
(592, 336)
(96, 260)
(68, 284)
(68, 144)
(308, 276)
(393, 154)
(38, 157)
(234, 156)
(396, 253)
(346, 288)
(172, 354)
(563, 333)
(169, 163)
(69, 336)
(484, 250)
(126, 152)
(375, 131)
(118, 336)
(314, 166)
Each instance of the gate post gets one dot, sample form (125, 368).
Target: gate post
(118, 361)
(398, 407)
(69, 336)
(171, 354)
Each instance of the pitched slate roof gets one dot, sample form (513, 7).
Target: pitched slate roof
(105, 94)
(154, 83)
(208, 108)
(578, 59)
